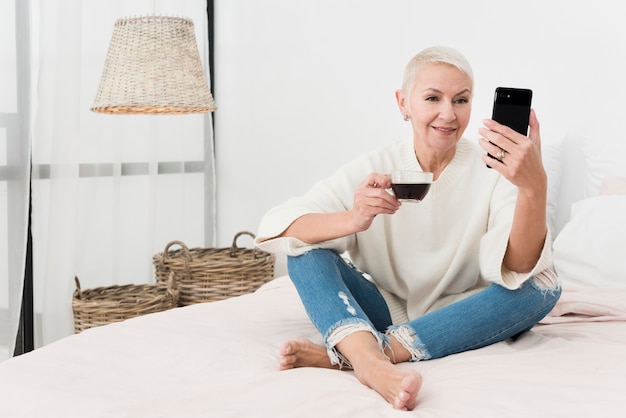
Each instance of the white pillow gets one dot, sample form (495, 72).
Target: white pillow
(552, 156)
(590, 250)
(603, 159)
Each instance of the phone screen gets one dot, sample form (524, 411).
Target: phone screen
(511, 107)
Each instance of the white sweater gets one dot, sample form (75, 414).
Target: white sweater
(427, 254)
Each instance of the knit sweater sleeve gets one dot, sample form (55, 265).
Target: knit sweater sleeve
(333, 194)
(494, 243)
(277, 220)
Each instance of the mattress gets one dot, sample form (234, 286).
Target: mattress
(220, 359)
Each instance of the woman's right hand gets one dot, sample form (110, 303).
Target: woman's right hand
(371, 199)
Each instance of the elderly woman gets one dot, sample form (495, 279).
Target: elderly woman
(387, 282)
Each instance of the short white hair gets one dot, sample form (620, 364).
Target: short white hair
(434, 55)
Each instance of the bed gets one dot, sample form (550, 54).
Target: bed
(221, 359)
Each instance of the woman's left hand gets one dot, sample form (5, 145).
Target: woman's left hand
(518, 158)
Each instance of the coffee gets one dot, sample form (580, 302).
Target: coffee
(410, 191)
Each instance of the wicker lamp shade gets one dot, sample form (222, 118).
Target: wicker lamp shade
(153, 67)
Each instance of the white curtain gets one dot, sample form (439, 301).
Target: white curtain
(14, 165)
(109, 191)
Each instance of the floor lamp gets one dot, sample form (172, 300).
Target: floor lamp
(153, 67)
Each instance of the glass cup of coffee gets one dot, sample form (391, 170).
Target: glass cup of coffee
(410, 186)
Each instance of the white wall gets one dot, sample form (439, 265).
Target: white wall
(303, 87)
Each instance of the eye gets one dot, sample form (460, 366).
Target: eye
(461, 100)
(432, 99)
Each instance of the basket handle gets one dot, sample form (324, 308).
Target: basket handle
(77, 292)
(182, 246)
(172, 287)
(186, 252)
(234, 248)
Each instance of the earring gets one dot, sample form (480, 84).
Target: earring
(406, 117)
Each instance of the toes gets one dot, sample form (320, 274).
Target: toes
(285, 366)
(411, 405)
(404, 401)
(410, 387)
(286, 349)
(411, 383)
(287, 362)
(401, 400)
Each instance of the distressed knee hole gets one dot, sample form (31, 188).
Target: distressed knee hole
(341, 331)
(408, 339)
(346, 302)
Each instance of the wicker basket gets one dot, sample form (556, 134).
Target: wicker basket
(104, 305)
(212, 274)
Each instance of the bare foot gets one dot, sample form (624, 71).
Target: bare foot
(398, 387)
(303, 353)
(375, 370)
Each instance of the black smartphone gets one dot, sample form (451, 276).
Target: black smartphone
(511, 107)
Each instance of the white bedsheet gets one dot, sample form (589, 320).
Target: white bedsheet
(220, 360)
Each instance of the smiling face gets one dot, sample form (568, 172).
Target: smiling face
(439, 107)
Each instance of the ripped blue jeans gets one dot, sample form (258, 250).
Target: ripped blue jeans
(339, 301)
